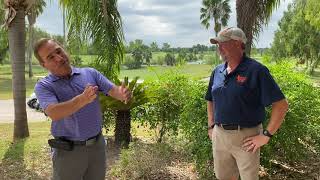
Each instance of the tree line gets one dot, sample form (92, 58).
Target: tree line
(298, 34)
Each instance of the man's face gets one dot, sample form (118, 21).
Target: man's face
(230, 49)
(54, 59)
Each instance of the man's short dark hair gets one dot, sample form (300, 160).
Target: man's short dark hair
(39, 44)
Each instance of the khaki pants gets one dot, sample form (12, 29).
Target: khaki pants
(230, 159)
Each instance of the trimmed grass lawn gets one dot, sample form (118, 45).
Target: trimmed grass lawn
(194, 71)
(28, 158)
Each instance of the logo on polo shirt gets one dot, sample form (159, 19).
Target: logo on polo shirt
(241, 79)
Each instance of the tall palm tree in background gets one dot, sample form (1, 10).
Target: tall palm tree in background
(252, 15)
(35, 10)
(219, 11)
(98, 22)
(15, 22)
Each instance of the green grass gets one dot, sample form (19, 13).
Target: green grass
(151, 73)
(28, 158)
(6, 80)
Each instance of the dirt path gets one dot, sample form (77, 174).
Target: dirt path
(7, 112)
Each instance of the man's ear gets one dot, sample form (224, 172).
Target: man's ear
(42, 64)
(243, 46)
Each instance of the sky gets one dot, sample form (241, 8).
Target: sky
(176, 22)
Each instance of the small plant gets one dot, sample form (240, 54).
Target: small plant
(122, 111)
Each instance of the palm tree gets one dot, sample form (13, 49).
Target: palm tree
(35, 10)
(15, 22)
(252, 15)
(100, 23)
(123, 110)
(219, 11)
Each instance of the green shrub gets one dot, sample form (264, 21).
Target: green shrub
(170, 59)
(168, 96)
(300, 131)
(142, 161)
(193, 125)
(159, 61)
(132, 63)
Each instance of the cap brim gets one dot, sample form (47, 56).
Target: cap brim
(214, 41)
(219, 39)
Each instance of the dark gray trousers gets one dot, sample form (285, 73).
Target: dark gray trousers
(82, 163)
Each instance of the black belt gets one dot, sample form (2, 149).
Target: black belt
(229, 126)
(90, 141)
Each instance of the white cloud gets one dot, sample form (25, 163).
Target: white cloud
(176, 22)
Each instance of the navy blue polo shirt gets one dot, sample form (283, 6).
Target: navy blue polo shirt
(241, 96)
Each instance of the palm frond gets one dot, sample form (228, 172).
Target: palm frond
(98, 22)
(218, 10)
(139, 97)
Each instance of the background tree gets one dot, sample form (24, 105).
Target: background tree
(35, 10)
(137, 55)
(15, 22)
(252, 15)
(154, 47)
(170, 59)
(313, 13)
(147, 54)
(166, 47)
(218, 10)
(296, 37)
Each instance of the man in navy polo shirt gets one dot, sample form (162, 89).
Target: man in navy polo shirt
(69, 96)
(238, 92)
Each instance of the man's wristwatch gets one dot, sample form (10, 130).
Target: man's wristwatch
(267, 133)
(211, 127)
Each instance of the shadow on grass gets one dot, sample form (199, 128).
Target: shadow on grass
(13, 167)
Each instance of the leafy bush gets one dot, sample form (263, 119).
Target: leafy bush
(132, 63)
(168, 96)
(300, 131)
(193, 125)
(170, 59)
(142, 161)
(160, 60)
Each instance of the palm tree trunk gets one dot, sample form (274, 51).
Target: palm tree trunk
(246, 21)
(30, 50)
(64, 26)
(216, 61)
(17, 54)
(123, 126)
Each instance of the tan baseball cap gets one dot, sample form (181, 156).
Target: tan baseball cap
(228, 34)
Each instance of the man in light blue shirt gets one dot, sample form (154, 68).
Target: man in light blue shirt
(69, 96)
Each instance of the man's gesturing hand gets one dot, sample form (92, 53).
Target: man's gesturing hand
(89, 94)
(125, 94)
